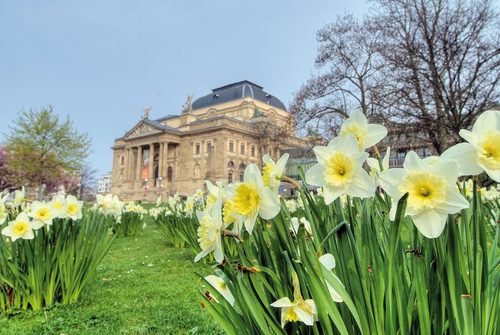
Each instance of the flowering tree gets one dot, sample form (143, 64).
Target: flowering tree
(44, 150)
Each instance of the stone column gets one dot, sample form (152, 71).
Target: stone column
(138, 176)
(160, 161)
(165, 157)
(127, 164)
(151, 167)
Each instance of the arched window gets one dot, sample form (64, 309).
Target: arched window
(230, 164)
(169, 173)
(242, 166)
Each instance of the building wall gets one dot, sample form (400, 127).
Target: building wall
(175, 142)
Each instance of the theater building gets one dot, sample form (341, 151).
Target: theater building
(215, 138)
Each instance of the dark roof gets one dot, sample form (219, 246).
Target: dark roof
(222, 117)
(236, 91)
(167, 117)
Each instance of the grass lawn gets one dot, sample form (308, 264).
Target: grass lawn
(141, 287)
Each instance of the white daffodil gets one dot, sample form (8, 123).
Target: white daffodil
(21, 227)
(73, 207)
(106, 203)
(3, 213)
(19, 197)
(431, 189)
(220, 285)
(295, 223)
(198, 194)
(367, 134)
(57, 204)
(340, 170)
(291, 205)
(482, 152)
(209, 232)
(231, 216)
(273, 171)
(252, 198)
(298, 310)
(375, 166)
(41, 213)
(328, 261)
(220, 190)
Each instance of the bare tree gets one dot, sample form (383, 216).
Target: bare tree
(435, 63)
(444, 62)
(348, 76)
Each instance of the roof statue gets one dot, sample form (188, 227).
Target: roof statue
(187, 108)
(257, 113)
(146, 112)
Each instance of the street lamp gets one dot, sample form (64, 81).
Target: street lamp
(43, 191)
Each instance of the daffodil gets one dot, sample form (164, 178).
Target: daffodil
(295, 223)
(431, 189)
(220, 190)
(41, 213)
(19, 197)
(252, 198)
(209, 232)
(481, 152)
(298, 310)
(57, 204)
(273, 171)
(339, 170)
(231, 216)
(106, 203)
(3, 213)
(73, 207)
(21, 227)
(375, 166)
(220, 285)
(367, 134)
(328, 261)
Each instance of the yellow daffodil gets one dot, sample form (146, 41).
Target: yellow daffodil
(367, 134)
(273, 171)
(41, 214)
(339, 170)
(21, 227)
(431, 189)
(328, 261)
(209, 232)
(252, 198)
(482, 150)
(220, 285)
(298, 310)
(73, 207)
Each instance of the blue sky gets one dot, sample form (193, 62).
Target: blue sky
(103, 62)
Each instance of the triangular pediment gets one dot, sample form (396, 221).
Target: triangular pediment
(142, 129)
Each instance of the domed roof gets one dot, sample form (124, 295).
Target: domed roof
(236, 91)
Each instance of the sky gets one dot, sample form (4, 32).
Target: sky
(103, 62)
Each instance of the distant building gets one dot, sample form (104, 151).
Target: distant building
(214, 138)
(104, 183)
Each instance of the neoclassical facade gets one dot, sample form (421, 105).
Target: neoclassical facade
(213, 138)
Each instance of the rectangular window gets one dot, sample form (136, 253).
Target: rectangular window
(229, 177)
(231, 146)
(242, 148)
(241, 177)
(209, 146)
(252, 151)
(197, 151)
